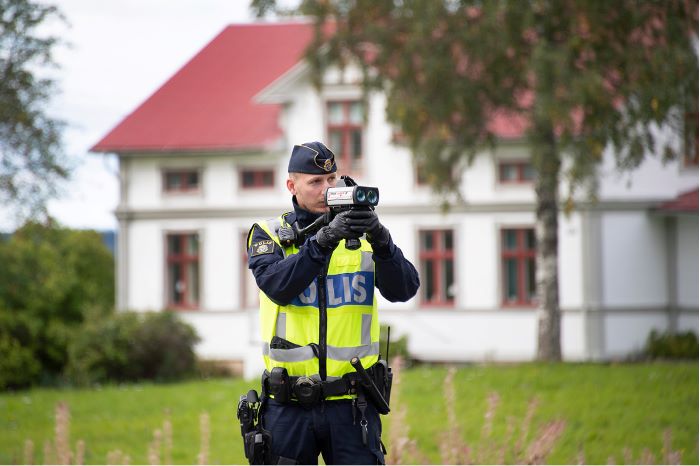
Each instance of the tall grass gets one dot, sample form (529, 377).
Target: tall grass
(472, 415)
(58, 450)
(452, 446)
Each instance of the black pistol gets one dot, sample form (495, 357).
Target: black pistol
(370, 388)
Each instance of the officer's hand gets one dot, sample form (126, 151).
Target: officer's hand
(339, 228)
(367, 221)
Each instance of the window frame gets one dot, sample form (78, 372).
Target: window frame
(521, 254)
(419, 178)
(345, 158)
(182, 173)
(259, 173)
(438, 254)
(520, 165)
(184, 259)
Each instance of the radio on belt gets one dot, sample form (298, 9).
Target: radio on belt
(349, 196)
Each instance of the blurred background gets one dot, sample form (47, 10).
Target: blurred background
(537, 163)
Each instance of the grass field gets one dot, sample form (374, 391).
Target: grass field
(606, 413)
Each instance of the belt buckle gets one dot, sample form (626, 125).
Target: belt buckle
(307, 391)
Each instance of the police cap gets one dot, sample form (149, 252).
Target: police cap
(313, 158)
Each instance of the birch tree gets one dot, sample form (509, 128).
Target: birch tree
(583, 76)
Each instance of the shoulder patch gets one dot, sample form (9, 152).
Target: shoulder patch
(262, 247)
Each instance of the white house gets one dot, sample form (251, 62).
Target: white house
(206, 155)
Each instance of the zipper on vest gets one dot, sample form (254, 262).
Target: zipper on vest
(322, 321)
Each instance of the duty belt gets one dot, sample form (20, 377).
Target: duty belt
(307, 390)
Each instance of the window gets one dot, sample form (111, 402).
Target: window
(690, 140)
(183, 270)
(345, 121)
(420, 177)
(437, 267)
(515, 172)
(257, 178)
(518, 258)
(180, 181)
(249, 289)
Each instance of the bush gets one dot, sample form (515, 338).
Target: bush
(127, 347)
(52, 280)
(671, 345)
(18, 366)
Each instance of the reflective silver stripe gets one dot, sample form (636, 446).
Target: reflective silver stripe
(281, 327)
(367, 264)
(273, 225)
(366, 329)
(341, 353)
(305, 353)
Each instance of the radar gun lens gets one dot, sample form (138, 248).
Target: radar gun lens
(361, 195)
(372, 197)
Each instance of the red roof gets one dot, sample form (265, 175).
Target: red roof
(685, 202)
(207, 104)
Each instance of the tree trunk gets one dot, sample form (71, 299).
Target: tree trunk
(547, 163)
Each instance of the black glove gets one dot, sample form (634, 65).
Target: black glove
(367, 222)
(339, 228)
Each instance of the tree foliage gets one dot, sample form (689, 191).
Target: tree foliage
(32, 161)
(595, 74)
(51, 281)
(577, 77)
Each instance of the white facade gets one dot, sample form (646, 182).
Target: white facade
(624, 269)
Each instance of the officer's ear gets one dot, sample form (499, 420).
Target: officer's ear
(291, 184)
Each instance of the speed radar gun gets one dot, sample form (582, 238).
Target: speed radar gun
(347, 195)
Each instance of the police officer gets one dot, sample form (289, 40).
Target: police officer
(317, 311)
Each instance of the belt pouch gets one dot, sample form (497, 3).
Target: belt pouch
(279, 384)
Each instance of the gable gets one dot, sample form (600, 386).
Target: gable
(208, 104)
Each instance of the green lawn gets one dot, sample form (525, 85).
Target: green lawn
(606, 408)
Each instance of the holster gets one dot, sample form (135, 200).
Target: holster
(383, 379)
(257, 446)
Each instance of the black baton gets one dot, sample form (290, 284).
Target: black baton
(368, 384)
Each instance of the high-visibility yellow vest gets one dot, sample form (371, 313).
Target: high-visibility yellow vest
(350, 315)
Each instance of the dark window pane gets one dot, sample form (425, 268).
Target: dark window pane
(335, 141)
(267, 178)
(427, 240)
(528, 172)
(510, 239)
(193, 280)
(428, 285)
(335, 113)
(508, 172)
(530, 279)
(176, 285)
(447, 238)
(192, 180)
(356, 112)
(510, 274)
(192, 244)
(448, 284)
(356, 144)
(172, 181)
(530, 242)
(248, 178)
(174, 245)
(420, 175)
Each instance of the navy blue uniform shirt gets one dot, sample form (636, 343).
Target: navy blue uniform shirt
(282, 279)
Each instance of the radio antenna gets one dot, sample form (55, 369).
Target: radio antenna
(388, 339)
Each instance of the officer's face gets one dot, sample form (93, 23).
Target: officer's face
(310, 190)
